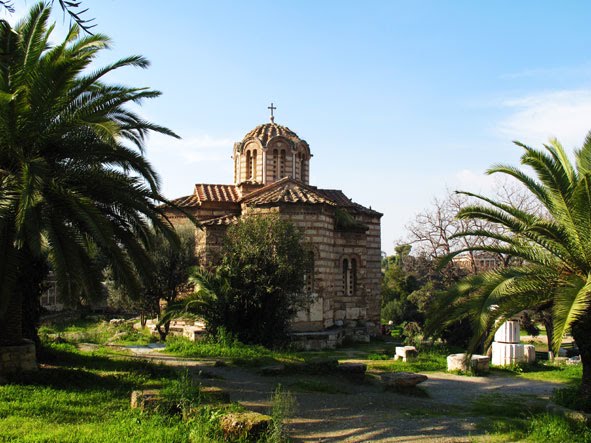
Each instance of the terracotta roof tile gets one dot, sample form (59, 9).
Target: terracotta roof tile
(216, 193)
(186, 201)
(288, 192)
(269, 130)
(342, 200)
(225, 220)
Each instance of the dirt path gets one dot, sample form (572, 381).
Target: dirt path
(362, 411)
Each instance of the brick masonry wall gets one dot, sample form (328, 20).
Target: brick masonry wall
(330, 246)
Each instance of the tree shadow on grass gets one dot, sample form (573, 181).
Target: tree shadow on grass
(65, 369)
(68, 356)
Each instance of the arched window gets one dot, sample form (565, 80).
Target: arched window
(345, 276)
(275, 164)
(253, 175)
(282, 164)
(349, 276)
(303, 169)
(248, 165)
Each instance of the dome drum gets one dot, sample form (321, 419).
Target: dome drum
(269, 153)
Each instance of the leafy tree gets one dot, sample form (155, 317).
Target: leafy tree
(73, 180)
(555, 250)
(258, 286)
(410, 283)
(169, 279)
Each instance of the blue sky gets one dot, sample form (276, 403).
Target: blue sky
(398, 100)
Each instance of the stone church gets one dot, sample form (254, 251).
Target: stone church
(271, 175)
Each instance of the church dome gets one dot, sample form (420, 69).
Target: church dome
(268, 131)
(269, 153)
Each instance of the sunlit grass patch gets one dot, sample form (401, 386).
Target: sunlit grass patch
(429, 360)
(96, 331)
(539, 427)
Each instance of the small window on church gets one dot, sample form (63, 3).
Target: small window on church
(345, 276)
(353, 277)
(349, 276)
(282, 164)
(248, 165)
(275, 164)
(253, 174)
(302, 169)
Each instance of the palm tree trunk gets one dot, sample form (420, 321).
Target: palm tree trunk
(11, 330)
(549, 326)
(581, 331)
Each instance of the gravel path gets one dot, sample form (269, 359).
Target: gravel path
(363, 411)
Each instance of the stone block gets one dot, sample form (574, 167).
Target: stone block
(508, 332)
(18, 358)
(339, 315)
(405, 353)
(316, 310)
(147, 400)
(248, 426)
(478, 363)
(402, 379)
(504, 354)
(530, 353)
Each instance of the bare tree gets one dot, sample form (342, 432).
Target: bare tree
(432, 232)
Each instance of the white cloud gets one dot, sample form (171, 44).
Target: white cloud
(553, 72)
(534, 119)
(200, 148)
(468, 180)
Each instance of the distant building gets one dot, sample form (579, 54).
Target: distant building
(477, 261)
(271, 175)
(49, 298)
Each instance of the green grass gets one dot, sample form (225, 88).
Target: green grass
(84, 397)
(80, 397)
(237, 352)
(427, 361)
(522, 418)
(98, 332)
(543, 371)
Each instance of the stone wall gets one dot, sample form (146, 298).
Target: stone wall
(331, 306)
(209, 241)
(14, 359)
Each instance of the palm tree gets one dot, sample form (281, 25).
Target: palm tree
(209, 300)
(554, 251)
(73, 179)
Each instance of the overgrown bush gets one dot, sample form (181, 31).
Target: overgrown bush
(259, 285)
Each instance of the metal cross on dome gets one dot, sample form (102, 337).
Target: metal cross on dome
(272, 108)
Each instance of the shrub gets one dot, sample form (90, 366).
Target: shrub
(258, 286)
